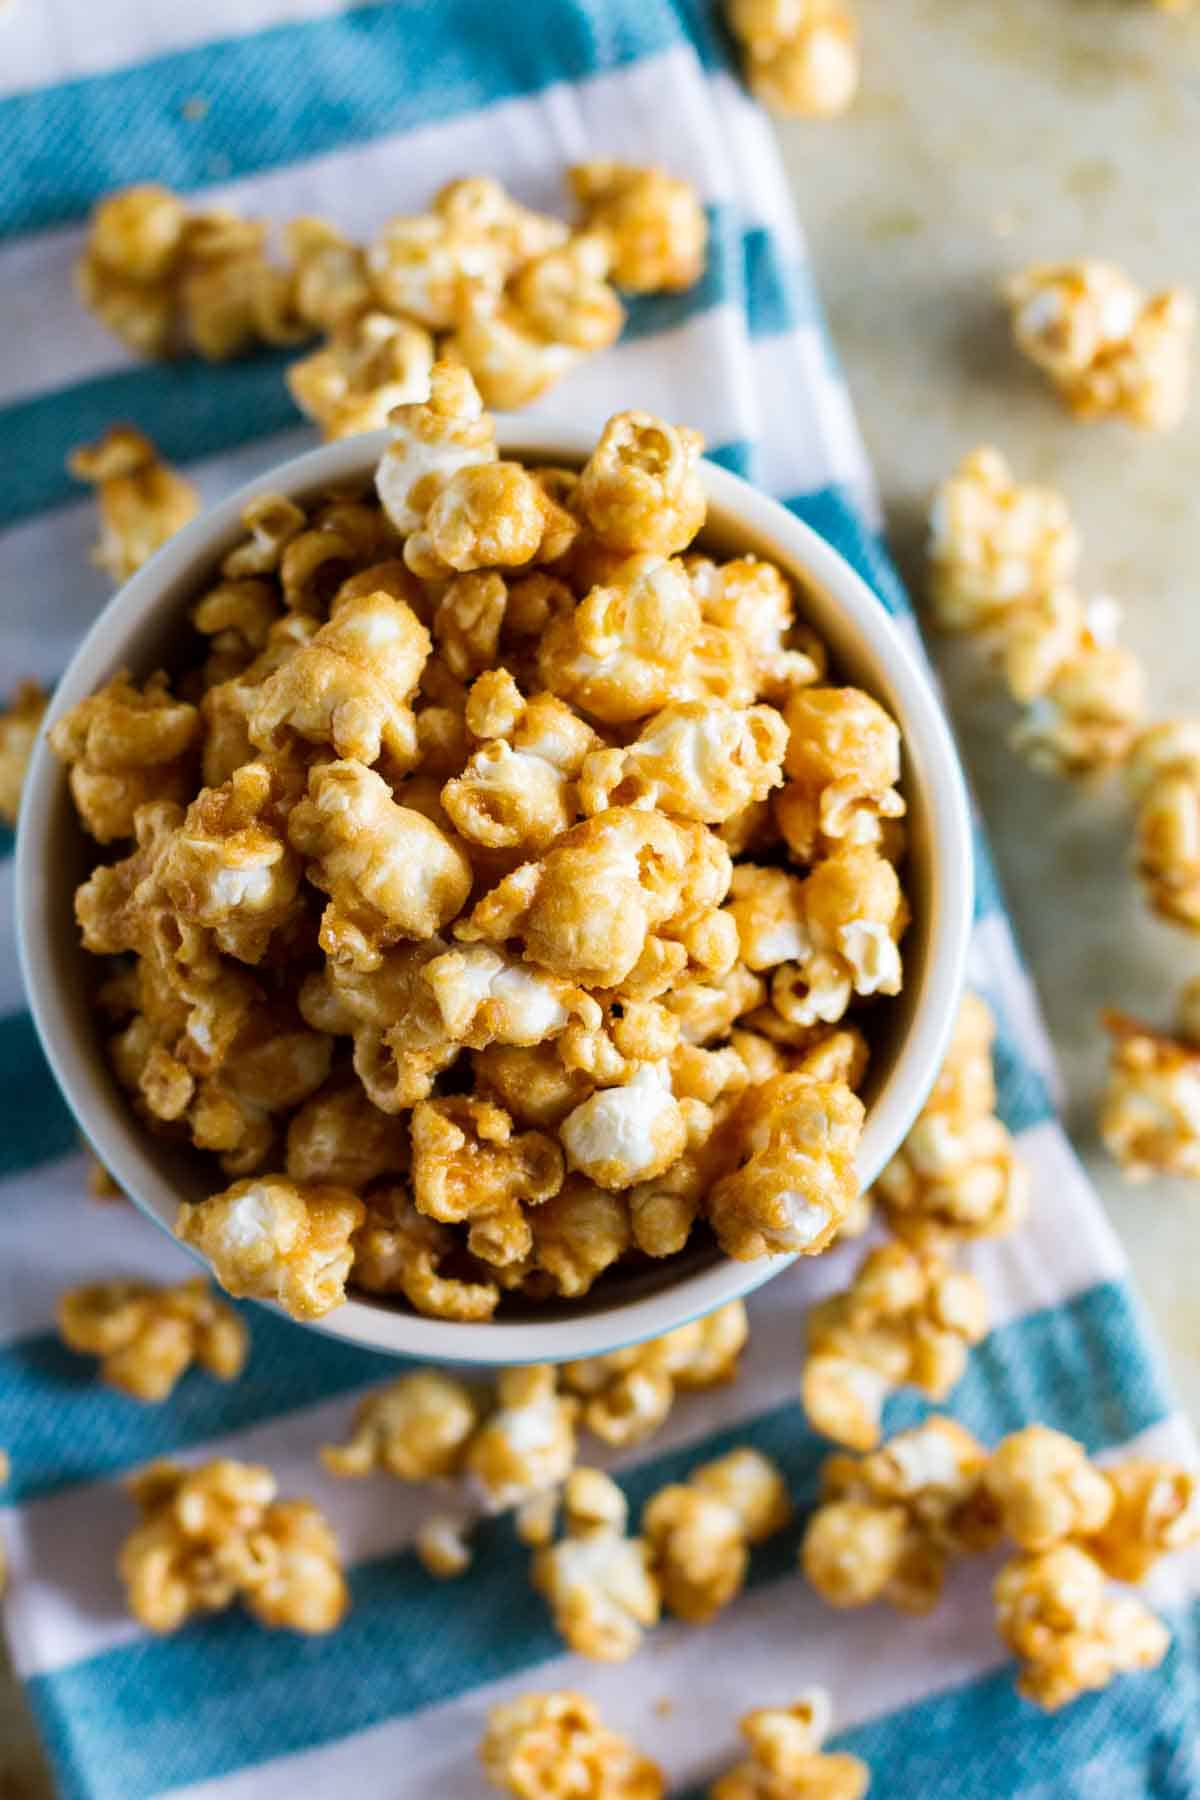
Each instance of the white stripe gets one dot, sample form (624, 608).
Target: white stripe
(995, 964)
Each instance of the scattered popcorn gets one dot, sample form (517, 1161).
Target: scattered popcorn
(1070, 1634)
(433, 440)
(1150, 1116)
(215, 1534)
(653, 224)
(442, 1547)
(146, 1337)
(1155, 1510)
(1106, 346)
(801, 59)
(19, 723)
(786, 1761)
(1163, 777)
(271, 1239)
(627, 1394)
(542, 1746)
(143, 501)
(598, 1582)
(797, 1139)
(1045, 1490)
(527, 1446)
(369, 364)
(907, 1317)
(996, 545)
(1088, 717)
(416, 1428)
(699, 1532)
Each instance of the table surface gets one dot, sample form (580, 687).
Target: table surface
(987, 137)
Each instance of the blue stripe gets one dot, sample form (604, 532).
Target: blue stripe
(193, 409)
(831, 513)
(37, 1123)
(989, 895)
(302, 90)
(247, 1696)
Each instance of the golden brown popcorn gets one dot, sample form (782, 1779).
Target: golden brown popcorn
(577, 1234)
(507, 799)
(467, 621)
(598, 1582)
(1088, 717)
(340, 1138)
(370, 363)
(1156, 1510)
(143, 501)
(328, 274)
(230, 296)
(707, 1005)
(19, 723)
(1150, 1117)
(797, 1139)
(483, 997)
(480, 205)
(125, 275)
(527, 1446)
(640, 489)
(272, 1239)
(842, 763)
(699, 1531)
(889, 1523)
(442, 1545)
(627, 1134)
(627, 1394)
(236, 617)
(431, 441)
(416, 1429)
(995, 545)
(907, 1317)
(565, 294)
(147, 1336)
(623, 653)
(1163, 777)
(388, 871)
(1070, 1634)
(397, 1250)
(653, 223)
(487, 515)
(543, 1746)
(511, 360)
(476, 234)
(468, 1165)
(1106, 347)
(786, 1761)
(125, 745)
(753, 600)
(215, 1534)
(272, 522)
(400, 1039)
(801, 59)
(698, 760)
(1045, 1490)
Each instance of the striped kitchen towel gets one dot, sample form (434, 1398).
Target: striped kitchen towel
(291, 106)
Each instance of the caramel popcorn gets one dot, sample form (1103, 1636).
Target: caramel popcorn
(512, 362)
(398, 1250)
(125, 746)
(371, 363)
(623, 653)
(143, 501)
(652, 222)
(215, 1534)
(995, 545)
(339, 1138)
(577, 1234)
(699, 1532)
(1088, 717)
(228, 867)
(889, 1523)
(699, 760)
(442, 1547)
(1106, 347)
(640, 489)
(272, 1239)
(433, 440)
(624, 1135)
(468, 1165)
(598, 1582)
(146, 1337)
(1045, 1490)
(330, 287)
(1163, 777)
(627, 1394)
(842, 764)
(800, 59)
(754, 601)
(417, 1429)
(1155, 1510)
(1070, 1634)
(796, 1182)
(786, 1761)
(1150, 1117)
(542, 1746)
(907, 1317)
(527, 1446)
(488, 515)
(19, 723)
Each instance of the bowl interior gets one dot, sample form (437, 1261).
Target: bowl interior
(146, 627)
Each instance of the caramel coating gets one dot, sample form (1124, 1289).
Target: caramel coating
(544, 1744)
(146, 1337)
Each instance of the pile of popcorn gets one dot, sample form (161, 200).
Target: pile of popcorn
(890, 1524)
(515, 296)
(497, 895)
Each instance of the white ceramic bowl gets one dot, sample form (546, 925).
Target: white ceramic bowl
(142, 627)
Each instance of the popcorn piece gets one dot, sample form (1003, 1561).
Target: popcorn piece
(217, 1533)
(467, 1164)
(143, 501)
(476, 233)
(907, 1317)
(509, 799)
(125, 274)
(707, 1005)
(480, 206)
(598, 1582)
(628, 1394)
(543, 1745)
(388, 871)
(1156, 1510)
(995, 545)
(653, 223)
(699, 760)
(1163, 776)
(350, 685)
(416, 1429)
(271, 1239)
(577, 1234)
(1150, 1118)
(19, 724)
(397, 1250)
(229, 869)
(1070, 1635)
(531, 1082)
(1045, 1490)
(442, 1547)
(329, 280)
(401, 1043)
(842, 763)
(753, 600)
(890, 1523)
(236, 617)
(431, 441)
(512, 361)
(640, 489)
(340, 1138)
(798, 1139)
(948, 1182)
(628, 1134)
(1106, 346)
(699, 1532)
(786, 1761)
(1089, 715)
(802, 60)
(487, 515)
(146, 1337)
(527, 1446)
(622, 654)
(371, 363)
(565, 294)
(125, 746)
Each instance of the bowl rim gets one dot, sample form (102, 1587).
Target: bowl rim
(119, 1141)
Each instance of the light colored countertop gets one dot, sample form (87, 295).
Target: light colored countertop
(988, 136)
